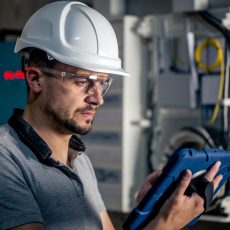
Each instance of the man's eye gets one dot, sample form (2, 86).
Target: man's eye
(81, 82)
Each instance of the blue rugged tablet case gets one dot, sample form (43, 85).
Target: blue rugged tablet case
(198, 161)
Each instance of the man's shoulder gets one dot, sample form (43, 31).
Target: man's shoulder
(4, 129)
(6, 133)
(9, 140)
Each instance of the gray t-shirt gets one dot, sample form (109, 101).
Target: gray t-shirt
(36, 188)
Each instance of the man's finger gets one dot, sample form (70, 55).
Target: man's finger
(152, 178)
(216, 181)
(211, 173)
(184, 182)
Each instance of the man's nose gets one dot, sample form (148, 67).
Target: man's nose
(95, 96)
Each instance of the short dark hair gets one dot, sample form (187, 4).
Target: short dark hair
(38, 57)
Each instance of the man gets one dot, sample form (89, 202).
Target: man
(47, 181)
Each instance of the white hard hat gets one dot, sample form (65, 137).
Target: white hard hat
(74, 34)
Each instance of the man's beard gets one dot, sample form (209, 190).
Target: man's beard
(66, 125)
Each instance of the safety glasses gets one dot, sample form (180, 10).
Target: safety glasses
(77, 82)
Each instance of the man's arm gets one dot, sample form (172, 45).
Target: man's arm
(32, 226)
(106, 222)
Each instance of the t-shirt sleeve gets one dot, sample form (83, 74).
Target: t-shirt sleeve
(85, 171)
(17, 203)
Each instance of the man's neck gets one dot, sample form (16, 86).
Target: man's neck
(58, 143)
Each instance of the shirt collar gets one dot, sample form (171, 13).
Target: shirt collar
(30, 138)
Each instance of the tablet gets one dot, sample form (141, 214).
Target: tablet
(198, 161)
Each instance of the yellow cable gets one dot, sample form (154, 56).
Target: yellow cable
(198, 55)
(220, 93)
(219, 62)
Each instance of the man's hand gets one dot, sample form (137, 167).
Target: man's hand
(150, 181)
(179, 209)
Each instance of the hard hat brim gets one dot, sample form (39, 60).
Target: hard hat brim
(74, 62)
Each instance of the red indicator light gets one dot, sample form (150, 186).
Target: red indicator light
(8, 75)
(19, 74)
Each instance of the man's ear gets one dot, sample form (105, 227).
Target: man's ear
(34, 80)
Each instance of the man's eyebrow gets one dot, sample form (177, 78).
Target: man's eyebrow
(97, 76)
